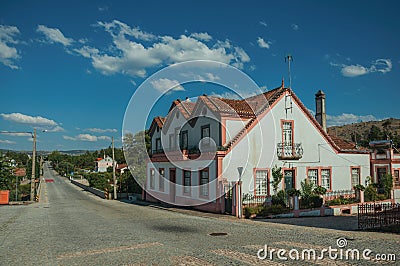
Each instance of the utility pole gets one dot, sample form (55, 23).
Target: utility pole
(114, 178)
(33, 166)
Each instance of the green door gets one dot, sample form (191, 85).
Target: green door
(289, 178)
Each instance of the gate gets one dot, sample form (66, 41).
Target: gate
(228, 198)
(375, 216)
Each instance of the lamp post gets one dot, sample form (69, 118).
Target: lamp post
(240, 171)
(114, 177)
(33, 166)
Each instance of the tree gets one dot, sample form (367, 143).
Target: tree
(276, 178)
(5, 175)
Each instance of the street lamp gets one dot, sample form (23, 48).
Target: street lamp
(240, 171)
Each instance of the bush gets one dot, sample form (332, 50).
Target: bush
(370, 193)
(272, 209)
(313, 201)
(341, 201)
(249, 211)
(279, 198)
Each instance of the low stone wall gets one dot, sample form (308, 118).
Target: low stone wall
(94, 191)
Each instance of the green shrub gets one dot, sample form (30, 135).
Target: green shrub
(370, 193)
(280, 198)
(250, 210)
(313, 201)
(272, 209)
(293, 192)
(342, 201)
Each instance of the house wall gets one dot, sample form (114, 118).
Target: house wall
(257, 149)
(232, 127)
(179, 197)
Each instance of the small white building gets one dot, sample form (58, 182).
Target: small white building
(103, 163)
(198, 148)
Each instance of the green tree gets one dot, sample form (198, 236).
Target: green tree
(276, 178)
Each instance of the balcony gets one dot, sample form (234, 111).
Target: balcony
(289, 151)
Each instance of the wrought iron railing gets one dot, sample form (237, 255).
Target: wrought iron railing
(374, 216)
(289, 151)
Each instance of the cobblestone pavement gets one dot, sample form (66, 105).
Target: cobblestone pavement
(71, 227)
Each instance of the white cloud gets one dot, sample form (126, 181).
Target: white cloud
(8, 53)
(203, 36)
(69, 138)
(87, 51)
(104, 138)
(294, 26)
(7, 141)
(164, 85)
(263, 23)
(15, 134)
(31, 120)
(54, 35)
(87, 137)
(379, 65)
(133, 51)
(101, 130)
(344, 119)
(262, 43)
(41, 123)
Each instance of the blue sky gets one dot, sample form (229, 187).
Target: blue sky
(71, 67)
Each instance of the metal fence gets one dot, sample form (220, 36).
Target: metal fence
(375, 216)
(249, 200)
(347, 194)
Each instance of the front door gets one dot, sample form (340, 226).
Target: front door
(172, 179)
(289, 179)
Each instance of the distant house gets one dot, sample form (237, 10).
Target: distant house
(121, 168)
(103, 163)
(252, 136)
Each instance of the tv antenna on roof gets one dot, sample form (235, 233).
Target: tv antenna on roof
(289, 58)
(288, 106)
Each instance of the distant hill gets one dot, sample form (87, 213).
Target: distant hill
(364, 132)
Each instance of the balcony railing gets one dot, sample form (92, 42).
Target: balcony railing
(289, 151)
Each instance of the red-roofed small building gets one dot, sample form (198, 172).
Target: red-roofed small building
(102, 164)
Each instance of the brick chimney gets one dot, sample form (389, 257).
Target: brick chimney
(320, 113)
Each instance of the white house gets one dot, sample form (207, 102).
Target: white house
(198, 148)
(103, 163)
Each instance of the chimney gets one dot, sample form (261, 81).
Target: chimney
(320, 113)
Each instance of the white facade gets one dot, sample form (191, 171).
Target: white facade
(250, 142)
(103, 164)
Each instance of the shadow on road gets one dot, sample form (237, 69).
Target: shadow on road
(344, 223)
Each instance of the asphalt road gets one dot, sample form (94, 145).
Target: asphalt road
(72, 227)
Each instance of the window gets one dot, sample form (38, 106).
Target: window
(186, 181)
(287, 138)
(381, 171)
(172, 141)
(152, 178)
(158, 144)
(184, 140)
(287, 128)
(205, 133)
(396, 178)
(204, 180)
(262, 183)
(313, 176)
(355, 176)
(161, 179)
(326, 178)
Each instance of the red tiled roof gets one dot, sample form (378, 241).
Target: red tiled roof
(121, 166)
(343, 144)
